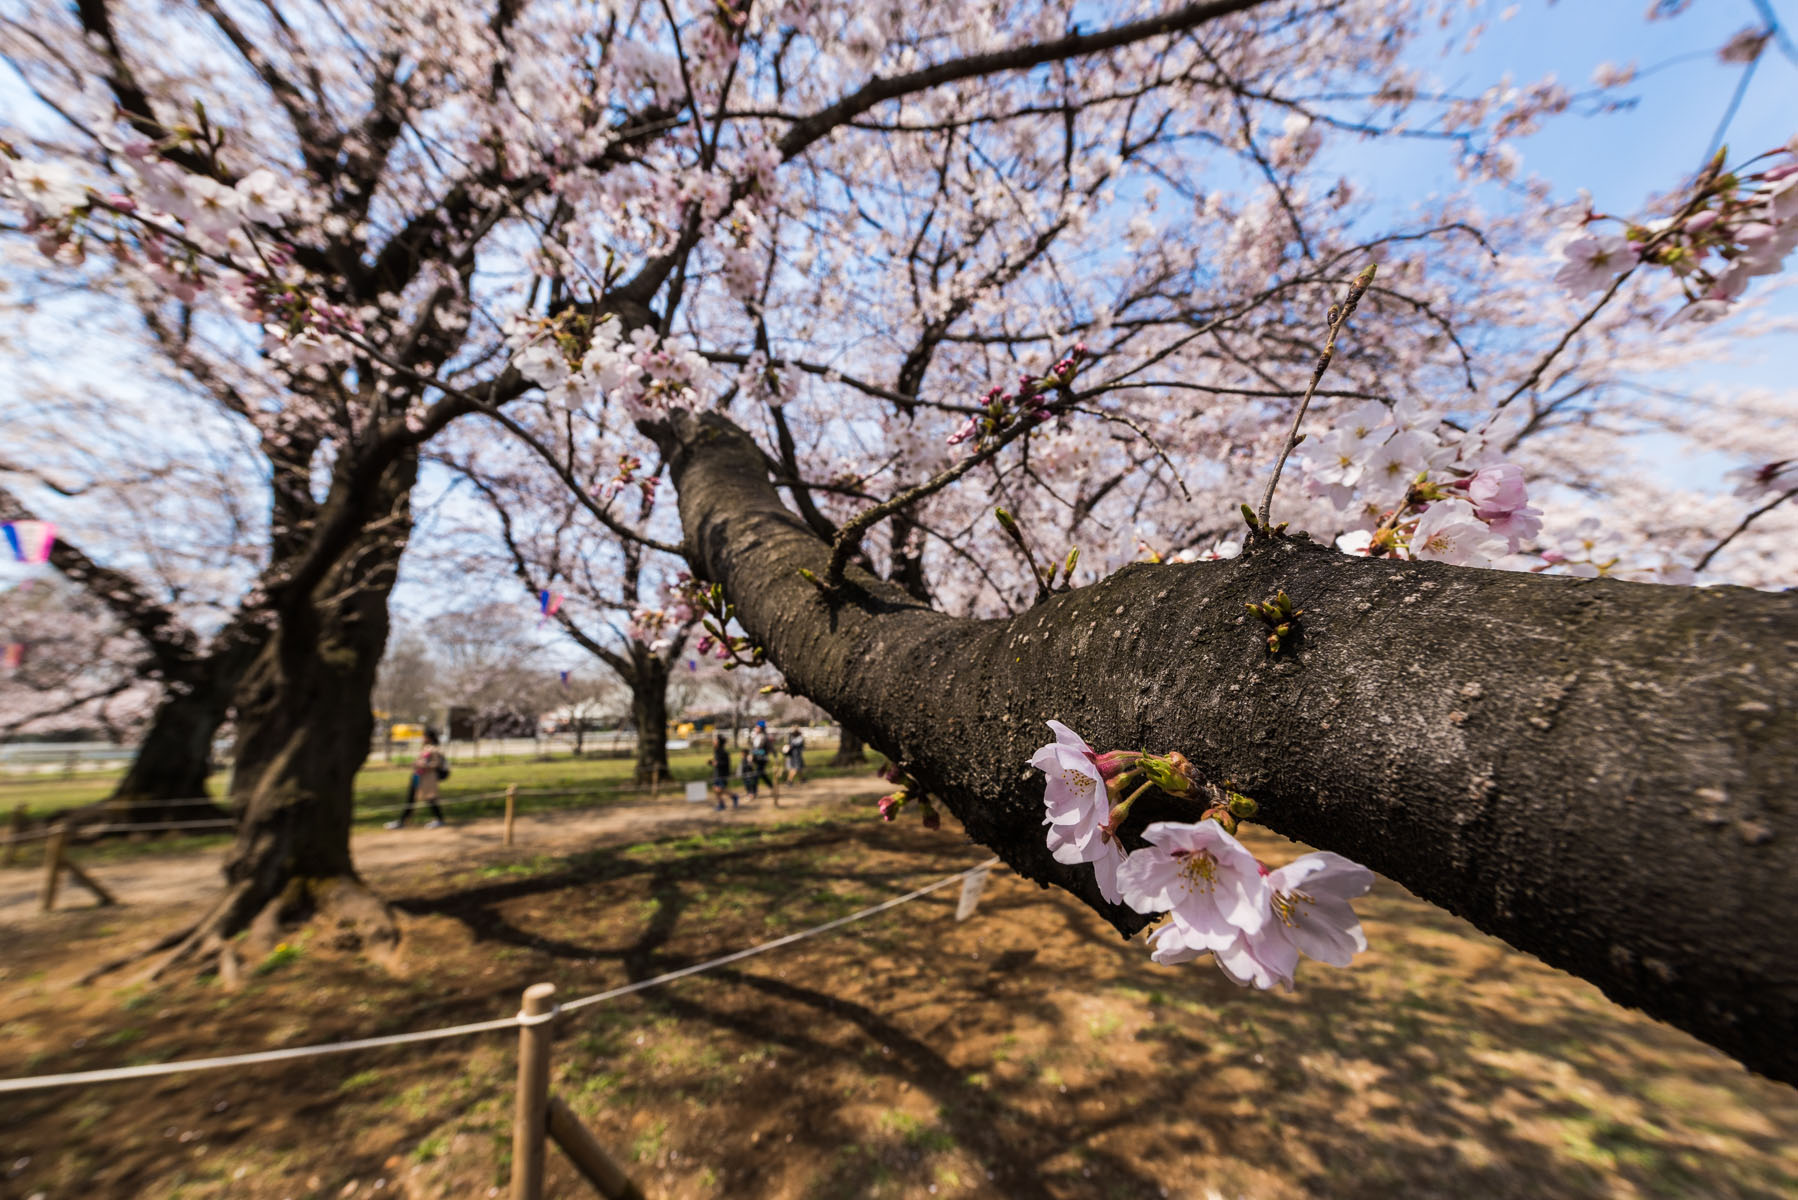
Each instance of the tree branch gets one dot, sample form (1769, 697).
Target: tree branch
(1599, 772)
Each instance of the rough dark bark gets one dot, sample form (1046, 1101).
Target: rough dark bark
(851, 751)
(167, 778)
(648, 681)
(304, 721)
(1601, 773)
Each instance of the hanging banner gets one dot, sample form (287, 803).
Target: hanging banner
(29, 541)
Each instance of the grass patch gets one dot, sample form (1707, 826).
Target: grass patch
(277, 958)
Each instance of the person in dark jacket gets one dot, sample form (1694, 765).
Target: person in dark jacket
(748, 772)
(795, 757)
(721, 772)
(761, 748)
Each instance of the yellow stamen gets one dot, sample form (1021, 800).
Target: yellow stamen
(1199, 870)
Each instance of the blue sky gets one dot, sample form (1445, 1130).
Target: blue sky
(1623, 158)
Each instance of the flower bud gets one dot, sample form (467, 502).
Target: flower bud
(1113, 763)
(1164, 776)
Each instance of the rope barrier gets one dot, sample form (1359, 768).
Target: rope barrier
(152, 1070)
(764, 947)
(358, 814)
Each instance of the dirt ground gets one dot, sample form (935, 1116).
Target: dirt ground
(178, 878)
(1027, 1052)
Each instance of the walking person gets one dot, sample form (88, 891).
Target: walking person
(747, 772)
(761, 746)
(795, 757)
(721, 772)
(428, 770)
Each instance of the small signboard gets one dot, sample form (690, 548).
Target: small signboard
(696, 790)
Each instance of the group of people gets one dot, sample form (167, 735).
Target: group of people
(753, 766)
(753, 770)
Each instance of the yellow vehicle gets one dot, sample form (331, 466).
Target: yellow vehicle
(406, 733)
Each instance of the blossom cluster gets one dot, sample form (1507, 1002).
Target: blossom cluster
(1735, 226)
(629, 466)
(685, 601)
(1413, 494)
(657, 626)
(193, 233)
(1219, 900)
(1001, 409)
(583, 365)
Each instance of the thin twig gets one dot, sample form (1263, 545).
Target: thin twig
(1746, 522)
(1339, 316)
(1535, 374)
(1144, 435)
(849, 538)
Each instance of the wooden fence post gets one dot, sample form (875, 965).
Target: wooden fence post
(588, 1156)
(14, 836)
(530, 1117)
(52, 868)
(655, 780)
(511, 809)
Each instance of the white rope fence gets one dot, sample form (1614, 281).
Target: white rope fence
(153, 1070)
(38, 835)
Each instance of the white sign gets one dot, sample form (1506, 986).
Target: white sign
(972, 884)
(696, 790)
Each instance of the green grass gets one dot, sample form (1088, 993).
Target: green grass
(380, 786)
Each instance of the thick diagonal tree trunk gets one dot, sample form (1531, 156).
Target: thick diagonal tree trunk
(167, 778)
(1605, 774)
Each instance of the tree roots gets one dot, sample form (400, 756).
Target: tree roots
(345, 913)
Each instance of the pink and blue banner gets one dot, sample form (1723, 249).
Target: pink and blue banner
(29, 541)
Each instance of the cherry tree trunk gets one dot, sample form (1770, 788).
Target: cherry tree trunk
(1601, 773)
(649, 712)
(851, 750)
(304, 721)
(166, 781)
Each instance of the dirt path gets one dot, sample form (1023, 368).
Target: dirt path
(188, 878)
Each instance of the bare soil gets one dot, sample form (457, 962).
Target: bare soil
(1027, 1052)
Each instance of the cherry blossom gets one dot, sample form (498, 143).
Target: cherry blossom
(1500, 499)
(1449, 531)
(1309, 904)
(1209, 883)
(1078, 807)
(1594, 262)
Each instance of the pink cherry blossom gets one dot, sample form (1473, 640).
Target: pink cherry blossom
(1500, 499)
(1077, 807)
(1205, 878)
(1593, 261)
(1751, 483)
(1449, 532)
(1310, 914)
(1397, 461)
(1338, 459)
